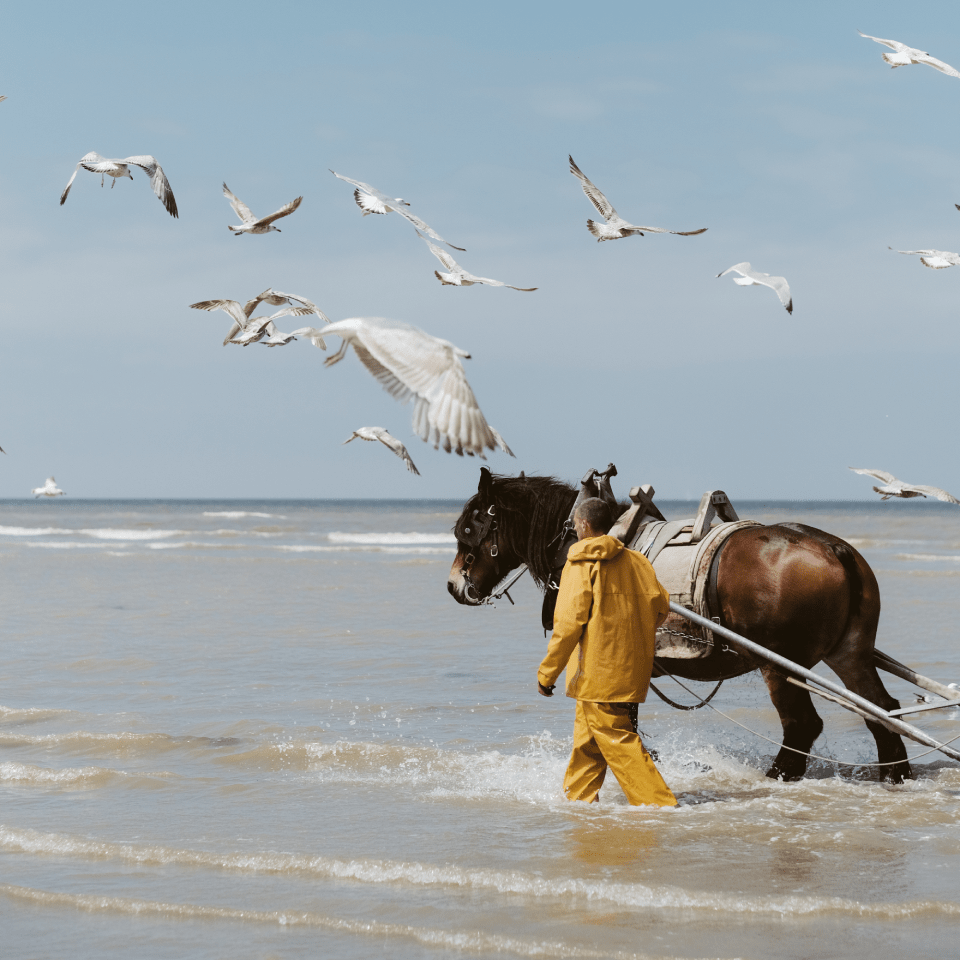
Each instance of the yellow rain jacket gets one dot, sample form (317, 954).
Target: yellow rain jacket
(608, 609)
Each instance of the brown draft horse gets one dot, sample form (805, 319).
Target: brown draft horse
(796, 590)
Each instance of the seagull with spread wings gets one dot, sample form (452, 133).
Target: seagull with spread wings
(371, 200)
(935, 259)
(252, 224)
(892, 487)
(904, 55)
(458, 277)
(754, 278)
(49, 489)
(121, 168)
(615, 228)
(392, 443)
(412, 364)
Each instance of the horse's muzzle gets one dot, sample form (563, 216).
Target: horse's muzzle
(464, 592)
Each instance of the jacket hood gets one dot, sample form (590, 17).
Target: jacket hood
(595, 548)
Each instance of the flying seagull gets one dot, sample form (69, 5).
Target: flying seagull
(751, 278)
(411, 364)
(892, 487)
(2, 99)
(250, 223)
(371, 200)
(378, 433)
(458, 277)
(935, 259)
(49, 489)
(121, 168)
(904, 55)
(244, 327)
(616, 228)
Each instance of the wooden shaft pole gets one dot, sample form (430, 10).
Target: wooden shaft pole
(789, 667)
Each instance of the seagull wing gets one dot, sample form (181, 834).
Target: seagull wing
(158, 181)
(409, 362)
(373, 191)
(88, 162)
(880, 475)
(602, 204)
(935, 259)
(237, 313)
(777, 284)
(97, 164)
(938, 65)
(892, 44)
(313, 308)
(932, 491)
(392, 443)
(291, 312)
(744, 269)
(423, 227)
(501, 443)
(940, 263)
(679, 233)
(441, 255)
(239, 207)
(284, 211)
(495, 283)
(369, 204)
(268, 296)
(312, 334)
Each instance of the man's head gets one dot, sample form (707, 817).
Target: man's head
(592, 518)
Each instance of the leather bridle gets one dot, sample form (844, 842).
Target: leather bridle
(475, 532)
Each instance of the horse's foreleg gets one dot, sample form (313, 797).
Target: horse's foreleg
(862, 678)
(801, 725)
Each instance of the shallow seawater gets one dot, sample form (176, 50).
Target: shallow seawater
(263, 729)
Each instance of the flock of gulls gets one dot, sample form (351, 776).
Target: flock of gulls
(413, 365)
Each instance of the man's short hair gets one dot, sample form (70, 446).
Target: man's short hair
(596, 513)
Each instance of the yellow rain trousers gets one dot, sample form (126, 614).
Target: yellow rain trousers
(605, 734)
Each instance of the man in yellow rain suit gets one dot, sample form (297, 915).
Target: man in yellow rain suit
(608, 610)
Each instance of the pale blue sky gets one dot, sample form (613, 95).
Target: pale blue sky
(774, 125)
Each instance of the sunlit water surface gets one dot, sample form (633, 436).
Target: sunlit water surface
(263, 729)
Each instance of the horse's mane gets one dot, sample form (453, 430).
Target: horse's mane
(530, 512)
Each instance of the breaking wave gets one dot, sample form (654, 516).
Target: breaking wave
(514, 882)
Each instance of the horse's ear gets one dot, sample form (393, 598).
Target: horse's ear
(485, 486)
(523, 476)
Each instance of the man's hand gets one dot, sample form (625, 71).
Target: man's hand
(545, 691)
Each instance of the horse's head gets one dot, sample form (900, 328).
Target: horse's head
(484, 553)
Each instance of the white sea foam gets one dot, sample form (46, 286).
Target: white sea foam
(452, 941)
(934, 557)
(66, 544)
(32, 531)
(111, 533)
(392, 539)
(241, 513)
(515, 882)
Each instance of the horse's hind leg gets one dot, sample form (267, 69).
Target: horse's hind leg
(801, 725)
(862, 678)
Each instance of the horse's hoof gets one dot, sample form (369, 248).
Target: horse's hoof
(896, 774)
(778, 773)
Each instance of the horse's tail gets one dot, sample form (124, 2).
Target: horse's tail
(845, 554)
